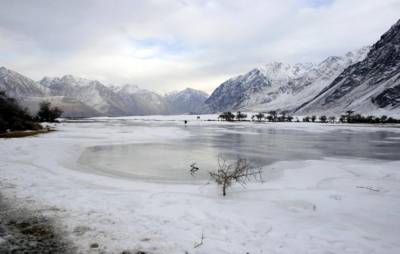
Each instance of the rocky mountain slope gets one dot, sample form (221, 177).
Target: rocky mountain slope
(372, 85)
(79, 97)
(141, 101)
(91, 92)
(365, 81)
(279, 86)
(187, 100)
(19, 86)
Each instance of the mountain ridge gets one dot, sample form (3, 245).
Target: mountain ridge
(371, 85)
(84, 97)
(366, 80)
(279, 86)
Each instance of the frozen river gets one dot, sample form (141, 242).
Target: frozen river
(329, 188)
(261, 144)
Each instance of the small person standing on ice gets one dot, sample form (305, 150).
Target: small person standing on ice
(185, 122)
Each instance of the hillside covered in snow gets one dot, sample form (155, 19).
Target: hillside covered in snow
(371, 85)
(79, 97)
(280, 86)
(365, 81)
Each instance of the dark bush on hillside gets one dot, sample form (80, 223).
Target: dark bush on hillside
(47, 113)
(13, 117)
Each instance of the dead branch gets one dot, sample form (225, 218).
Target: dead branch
(201, 241)
(368, 188)
(193, 169)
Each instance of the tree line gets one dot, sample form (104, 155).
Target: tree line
(351, 117)
(273, 116)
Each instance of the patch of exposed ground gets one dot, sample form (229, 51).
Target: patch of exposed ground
(24, 231)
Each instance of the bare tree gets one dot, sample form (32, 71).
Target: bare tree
(240, 116)
(227, 116)
(313, 118)
(323, 119)
(272, 116)
(239, 171)
(259, 116)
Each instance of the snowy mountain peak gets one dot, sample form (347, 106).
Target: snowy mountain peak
(17, 85)
(370, 85)
(128, 89)
(281, 71)
(280, 86)
(359, 54)
(187, 100)
(77, 81)
(4, 71)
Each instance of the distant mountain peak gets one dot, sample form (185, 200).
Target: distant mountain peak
(280, 86)
(369, 85)
(17, 85)
(129, 89)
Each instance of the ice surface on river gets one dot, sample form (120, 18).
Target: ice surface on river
(328, 189)
(170, 159)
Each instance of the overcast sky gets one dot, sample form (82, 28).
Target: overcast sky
(170, 45)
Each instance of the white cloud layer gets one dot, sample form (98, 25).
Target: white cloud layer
(168, 45)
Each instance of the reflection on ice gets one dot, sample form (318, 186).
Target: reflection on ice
(170, 159)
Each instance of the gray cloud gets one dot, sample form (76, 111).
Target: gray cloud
(166, 45)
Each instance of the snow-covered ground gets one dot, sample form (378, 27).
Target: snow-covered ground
(333, 205)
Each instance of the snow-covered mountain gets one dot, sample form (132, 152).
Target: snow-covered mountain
(81, 97)
(123, 99)
(30, 93)
(371, 86)
(91, 92)
(19, 86)
(366, 81)
(279, 86)
(141, 101)
(187, 100)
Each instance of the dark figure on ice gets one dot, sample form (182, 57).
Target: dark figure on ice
(193, 169)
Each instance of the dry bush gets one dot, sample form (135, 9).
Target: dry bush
(239, 171)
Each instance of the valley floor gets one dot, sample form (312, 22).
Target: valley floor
(332, 205)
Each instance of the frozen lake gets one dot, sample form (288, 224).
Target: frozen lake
(113, 181)
(261, 144)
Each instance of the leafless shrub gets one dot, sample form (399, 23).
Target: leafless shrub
(240, 171)
(201, 241)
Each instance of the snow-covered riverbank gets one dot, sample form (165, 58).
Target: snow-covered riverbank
(333, 205)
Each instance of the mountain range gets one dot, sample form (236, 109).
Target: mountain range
(79, 97)
(366, 80)
(279, 86)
